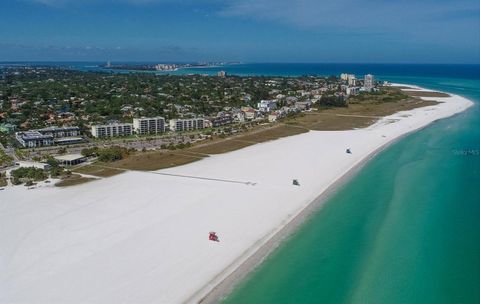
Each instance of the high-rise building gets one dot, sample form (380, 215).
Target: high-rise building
(352, 81)
(222, 74)
(368, 82)
(350, 78)
(149, 125)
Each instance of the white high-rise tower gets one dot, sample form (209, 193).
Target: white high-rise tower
(368, 82)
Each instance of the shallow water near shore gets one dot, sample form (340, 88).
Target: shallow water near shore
(405, 229)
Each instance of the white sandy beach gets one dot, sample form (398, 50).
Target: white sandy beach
(141, 237)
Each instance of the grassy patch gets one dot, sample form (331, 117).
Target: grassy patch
(156, 160)
(5, 159)
(326, 121)
(384, 95)
(222, 146)
(22, 154)
(98, 170)
(383, 109)
(425, 94)
(242, 141)
(357, 115)
(3, 181)
(72, 180)
(274, 133)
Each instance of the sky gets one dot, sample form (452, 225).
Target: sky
(340, 31)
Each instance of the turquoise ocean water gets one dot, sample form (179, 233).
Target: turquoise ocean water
(405, 229)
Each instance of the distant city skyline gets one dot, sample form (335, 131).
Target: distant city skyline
(241, 30)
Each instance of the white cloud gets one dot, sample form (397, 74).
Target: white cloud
(63, 3)
(357, 17)
(348, 14)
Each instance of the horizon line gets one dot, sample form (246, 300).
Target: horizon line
(233, 61)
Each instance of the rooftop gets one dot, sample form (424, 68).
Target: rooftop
(47, 129)
(156, 117)
(33, 134)
(69, 157)
(68, 139)
(114, 124)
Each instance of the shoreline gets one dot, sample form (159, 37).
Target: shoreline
(71, 245)
(251, 262)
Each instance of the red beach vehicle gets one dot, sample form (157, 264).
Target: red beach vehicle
(212, 236)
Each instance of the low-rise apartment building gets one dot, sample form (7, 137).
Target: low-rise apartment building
(33, 138)
(303, 105)
(267, 105)
(149, 125)
(249, 112)
(49, 136)
(352, 90)
(112, 130)
(221, 120)
(60, 132)
(179, 125)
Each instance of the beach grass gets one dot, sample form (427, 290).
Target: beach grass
(72, 180)
(147, 161)
(320, 121)
(274, 133)
(222, 146)
(4, 158)
(98, 169)
(425, 93)
(3, 181)
(245, 140)
(356, 115)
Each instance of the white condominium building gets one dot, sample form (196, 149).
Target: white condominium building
(186, 124)
(149, 125)
(344, 76)
(112, 129)
(350, 78)
(267, 105)
(352, 81)
(368, 81)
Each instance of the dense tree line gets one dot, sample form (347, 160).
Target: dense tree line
(100, 97)
(31, 173)
(106, 154)
(332, 101)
